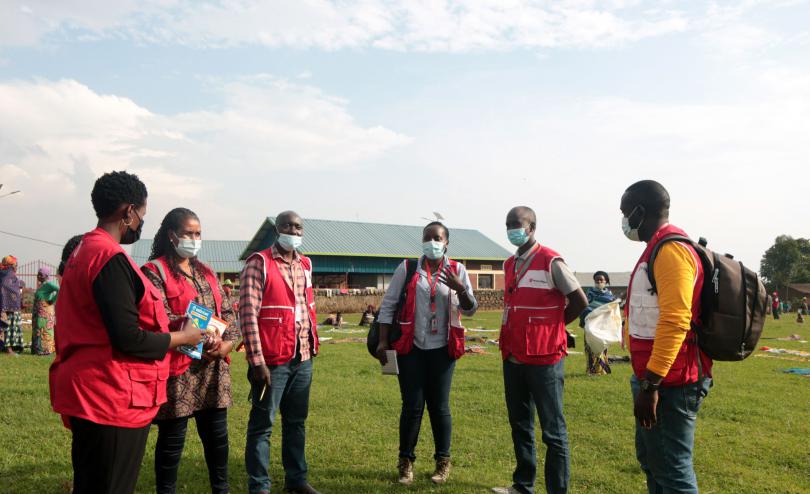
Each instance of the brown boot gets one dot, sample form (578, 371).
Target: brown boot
(405, 468)
(442, 470)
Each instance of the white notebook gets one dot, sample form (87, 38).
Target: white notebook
(391, 368)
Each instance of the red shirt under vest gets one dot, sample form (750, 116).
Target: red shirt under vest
(89, 379)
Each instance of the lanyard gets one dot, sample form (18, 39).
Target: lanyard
(432, 284)
(522, 266)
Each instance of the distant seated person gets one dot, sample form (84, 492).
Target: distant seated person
(368, 316)
(598, 295)
(336, 320)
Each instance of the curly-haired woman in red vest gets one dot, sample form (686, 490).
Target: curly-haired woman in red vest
(112, 336)
(196, 388)
(431, 342)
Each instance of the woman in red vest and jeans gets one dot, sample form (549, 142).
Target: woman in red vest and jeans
(431, 342)
(109, 376)
(198, 388)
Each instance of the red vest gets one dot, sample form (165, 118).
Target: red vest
(178, 295)
(642, 312)
(89, 379)
(277, 313)
(533, 329)
(407, 316)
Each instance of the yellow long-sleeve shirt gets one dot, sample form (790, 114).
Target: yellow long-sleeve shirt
(675, 271)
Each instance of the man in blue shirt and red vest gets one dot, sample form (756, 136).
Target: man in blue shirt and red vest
(541, 296)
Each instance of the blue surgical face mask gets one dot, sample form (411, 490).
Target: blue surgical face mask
(186, 247)
(517, 236)
(290, 242)
(433, 250)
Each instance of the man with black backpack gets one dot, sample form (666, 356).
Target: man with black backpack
(672, 375)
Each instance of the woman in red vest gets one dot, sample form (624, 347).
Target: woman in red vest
(436, 295)
(199, 388)
(109, 376)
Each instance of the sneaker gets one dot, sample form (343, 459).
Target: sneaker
(442, 471)
(505, 490)
(405, 468)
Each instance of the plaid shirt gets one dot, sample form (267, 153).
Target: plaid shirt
(250, 300)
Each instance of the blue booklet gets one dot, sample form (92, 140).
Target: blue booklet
(200, 316)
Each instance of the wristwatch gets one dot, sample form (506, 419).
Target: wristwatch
(648, 386)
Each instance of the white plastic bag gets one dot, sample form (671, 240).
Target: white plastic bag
(603, 326)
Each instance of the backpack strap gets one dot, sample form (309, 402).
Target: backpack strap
(410, 271)
(654, 254)
(159, 266)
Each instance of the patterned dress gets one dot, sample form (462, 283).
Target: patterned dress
(42, 319)
(11, 289)
(205, 384)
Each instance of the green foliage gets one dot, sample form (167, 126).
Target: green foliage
(786, 261)
(751, 436)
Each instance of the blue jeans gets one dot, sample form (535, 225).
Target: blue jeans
(289, 394)
(665, 451)
(424, 378)
(529, 388)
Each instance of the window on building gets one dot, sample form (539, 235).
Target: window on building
(486, 267)
(486, 282)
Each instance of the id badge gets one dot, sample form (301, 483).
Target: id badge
(298, 317)
(434, 328)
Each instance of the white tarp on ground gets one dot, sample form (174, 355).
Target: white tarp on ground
(603, 326)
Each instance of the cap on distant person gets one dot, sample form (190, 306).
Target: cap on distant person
(9, 261)
(44, 271)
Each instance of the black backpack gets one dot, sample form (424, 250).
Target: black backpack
(373, 338)
(732, 303)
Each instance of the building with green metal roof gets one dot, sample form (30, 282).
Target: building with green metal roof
(353, 254)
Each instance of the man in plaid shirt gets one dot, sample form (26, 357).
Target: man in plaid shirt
(279, 376)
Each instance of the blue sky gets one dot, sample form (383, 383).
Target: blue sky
(385, 111)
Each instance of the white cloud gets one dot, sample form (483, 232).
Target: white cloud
(56, 137)
(420, 25)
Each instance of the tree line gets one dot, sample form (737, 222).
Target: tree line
(786, 261)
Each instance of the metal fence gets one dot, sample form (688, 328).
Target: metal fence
(28, 272)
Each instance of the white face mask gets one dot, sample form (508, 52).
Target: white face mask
(433, 250)
(631, 233)
(290, 242)
(187, 248)
(600, 285)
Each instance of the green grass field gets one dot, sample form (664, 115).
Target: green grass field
(753, 431)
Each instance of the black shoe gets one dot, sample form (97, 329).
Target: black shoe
(303, 489)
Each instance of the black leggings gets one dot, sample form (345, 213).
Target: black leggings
(106, 459)
(212, 427)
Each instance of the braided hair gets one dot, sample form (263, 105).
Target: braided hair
(162, 245)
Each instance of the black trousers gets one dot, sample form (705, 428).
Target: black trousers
(425, 377)
(106, 459)
(212, 427)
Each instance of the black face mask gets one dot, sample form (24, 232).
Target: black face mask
(131, 236)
